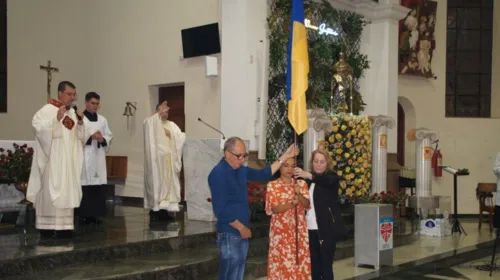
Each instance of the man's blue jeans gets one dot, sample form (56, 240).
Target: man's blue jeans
(233, 256)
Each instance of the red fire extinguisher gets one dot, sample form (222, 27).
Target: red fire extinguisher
(437, 161)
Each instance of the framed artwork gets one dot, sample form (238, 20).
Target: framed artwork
(416, 38)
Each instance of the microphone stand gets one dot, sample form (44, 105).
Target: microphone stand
(223, 136)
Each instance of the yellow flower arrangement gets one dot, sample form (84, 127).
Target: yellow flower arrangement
(349, 143)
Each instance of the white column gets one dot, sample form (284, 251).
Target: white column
(379, 152)
(243, 38)
(379, 86)
(318, 122)
(423, 154)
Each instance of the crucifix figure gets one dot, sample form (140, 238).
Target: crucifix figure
(49, 70)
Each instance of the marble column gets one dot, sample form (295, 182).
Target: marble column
(381, 124)
(379, 86)
(318, 123)
(423, 154)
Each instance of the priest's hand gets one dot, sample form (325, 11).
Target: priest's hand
(167, 132)
(79, 115)
(99, 137)
(61, 112)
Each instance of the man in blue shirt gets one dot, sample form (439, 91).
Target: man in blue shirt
(228, 185)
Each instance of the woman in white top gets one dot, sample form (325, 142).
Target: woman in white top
(324, 220)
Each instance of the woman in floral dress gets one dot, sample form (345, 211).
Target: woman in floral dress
(287, 201)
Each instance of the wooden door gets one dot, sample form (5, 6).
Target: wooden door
(174, 96)
(401, 135)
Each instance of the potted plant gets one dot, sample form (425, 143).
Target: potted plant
(395, 198)
(15, 167)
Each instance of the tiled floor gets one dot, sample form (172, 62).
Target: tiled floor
(420, 252)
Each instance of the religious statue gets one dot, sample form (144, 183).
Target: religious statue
(343, 79)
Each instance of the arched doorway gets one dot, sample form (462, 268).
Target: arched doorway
(401, 135)
(406, 122)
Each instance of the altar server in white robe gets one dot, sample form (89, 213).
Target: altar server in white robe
(163, 142)
(94, 175)
(54, 183)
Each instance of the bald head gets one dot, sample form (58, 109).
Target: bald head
(235, 152)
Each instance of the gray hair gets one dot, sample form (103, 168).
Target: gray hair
(231, 142)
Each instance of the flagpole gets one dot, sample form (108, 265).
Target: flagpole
(296, 211)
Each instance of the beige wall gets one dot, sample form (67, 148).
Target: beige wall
(118, 48)
(465, 143)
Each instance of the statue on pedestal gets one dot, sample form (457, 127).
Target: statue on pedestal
(342, 79)
(343, 83)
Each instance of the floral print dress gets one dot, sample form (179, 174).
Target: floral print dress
(282, 263)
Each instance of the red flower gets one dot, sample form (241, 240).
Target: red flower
(209, 199)
(250, 199)
(263, 194)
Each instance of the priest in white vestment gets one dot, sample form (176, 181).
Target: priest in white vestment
(54, 183)
(94, 176)
(163, 142)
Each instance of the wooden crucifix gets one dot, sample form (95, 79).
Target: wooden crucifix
(49, 70)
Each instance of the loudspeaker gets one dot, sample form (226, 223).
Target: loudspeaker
(211, 69)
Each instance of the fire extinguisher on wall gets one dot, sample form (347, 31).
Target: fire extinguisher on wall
(437, 161)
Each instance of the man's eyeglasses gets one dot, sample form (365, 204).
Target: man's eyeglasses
(241, 156)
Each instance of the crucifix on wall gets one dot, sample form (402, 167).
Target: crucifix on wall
(49, 70)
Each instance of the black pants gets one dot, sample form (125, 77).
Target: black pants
(321, 257)
(93, 202)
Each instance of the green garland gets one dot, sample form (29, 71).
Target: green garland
(324, 52)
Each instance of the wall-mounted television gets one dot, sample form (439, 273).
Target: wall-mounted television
(200, 40)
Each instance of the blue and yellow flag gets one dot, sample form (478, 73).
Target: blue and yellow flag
(298, 69)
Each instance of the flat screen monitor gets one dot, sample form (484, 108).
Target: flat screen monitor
(200, 40)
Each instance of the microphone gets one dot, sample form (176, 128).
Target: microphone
(75, 108)
(223, 136)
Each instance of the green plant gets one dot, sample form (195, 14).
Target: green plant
(390, 197)
(324, 52)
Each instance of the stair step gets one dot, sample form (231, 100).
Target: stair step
(186, 264)
(192, 263)
(89, 248)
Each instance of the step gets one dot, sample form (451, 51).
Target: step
(193, 263)
(185, 264)
(38, 255)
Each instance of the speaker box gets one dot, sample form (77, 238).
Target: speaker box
(211, 69)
